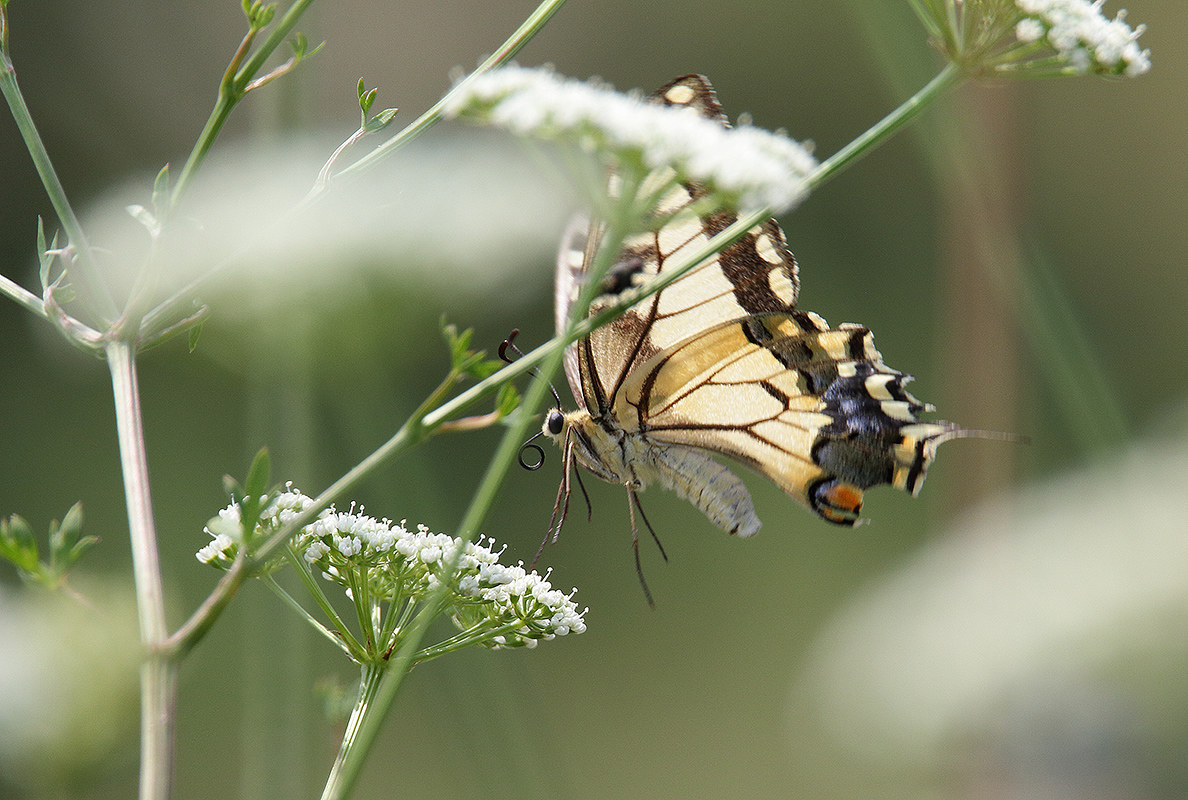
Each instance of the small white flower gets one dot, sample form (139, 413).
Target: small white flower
(1079, 32)
(316, 551)
(1029, 30)
(748, 166)
(218, 550)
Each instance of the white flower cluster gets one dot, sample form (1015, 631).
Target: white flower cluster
(1080, 33)
(224, 533)
(498, 605)
(747, 166)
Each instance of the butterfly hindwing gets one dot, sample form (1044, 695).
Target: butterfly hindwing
(814, 409)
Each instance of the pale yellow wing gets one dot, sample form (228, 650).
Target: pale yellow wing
(756, 275)
(815, 410)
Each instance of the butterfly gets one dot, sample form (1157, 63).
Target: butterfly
(722, 362)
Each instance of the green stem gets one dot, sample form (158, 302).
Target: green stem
(886, 127)
(158, 672)
(240, 72)
(85, 272)
(506, 51)
(23, 296)
(346, 764)
(476, 633)
(292, 603)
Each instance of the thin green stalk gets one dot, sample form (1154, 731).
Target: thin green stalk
(292, 603)
(23, 297)
(234, 86)
(342, 634)
(475, 633)
(340, 780)
(361, 599)
(84, 271)
(887, 126)
(158, 672)
(530, 27)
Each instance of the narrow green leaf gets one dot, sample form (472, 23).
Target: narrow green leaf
(63, 537)
(193, 335)
(81, 546)
(255, 491)
(67, 544)
(507, 400)
(266, 15)
(380, 121)
(313, 52)
(17, 544)
(300, 45)
(161, 189)
(259, 474)
(43, 258)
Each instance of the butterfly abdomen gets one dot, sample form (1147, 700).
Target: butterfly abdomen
(712, 488)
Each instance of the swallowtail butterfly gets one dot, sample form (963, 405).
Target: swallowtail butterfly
(722, 362)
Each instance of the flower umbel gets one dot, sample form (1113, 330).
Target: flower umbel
(1035, 37)
(744, 166)
(388, 571)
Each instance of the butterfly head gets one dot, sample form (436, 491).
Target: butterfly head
(554, 424)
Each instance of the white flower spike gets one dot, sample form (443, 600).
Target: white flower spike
(1080, 34)
(491, 603)
(746, 166)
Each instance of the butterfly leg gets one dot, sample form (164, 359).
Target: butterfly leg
(560, 505)
(632, 504)
(585, 494)
(651, 530)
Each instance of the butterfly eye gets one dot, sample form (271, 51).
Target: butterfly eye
(555, 422)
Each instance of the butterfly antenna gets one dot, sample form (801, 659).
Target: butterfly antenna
(532, 466)
(510, 344)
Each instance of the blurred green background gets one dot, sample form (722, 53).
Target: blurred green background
(1016, 632)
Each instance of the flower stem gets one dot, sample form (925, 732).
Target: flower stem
(23, 296)
(886, 127)
(506, 51)
(85, 271)
(239, 74)
(350, 757)
(158, 672)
